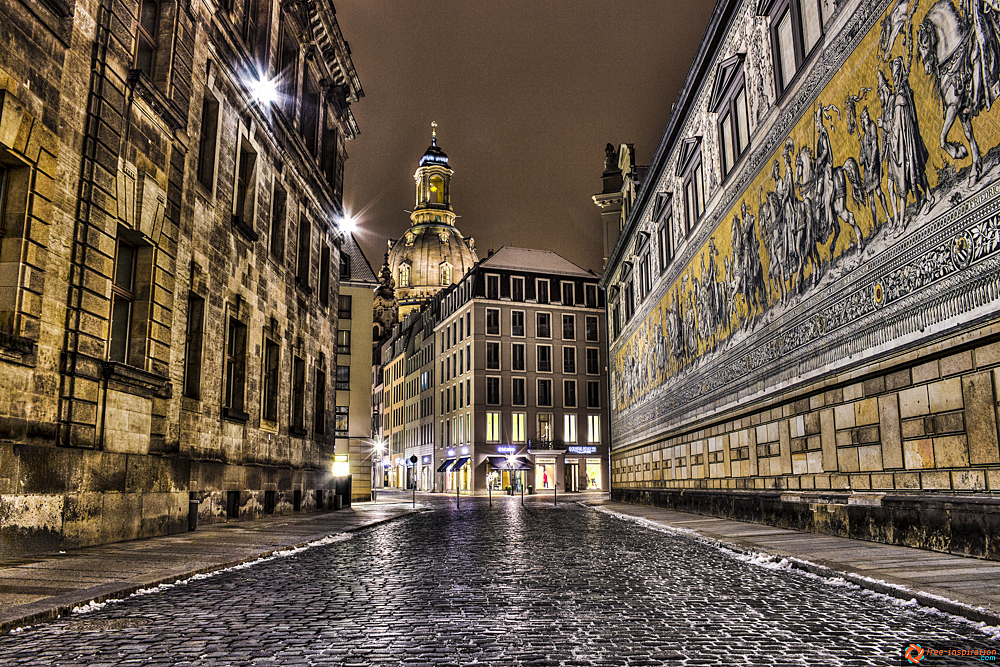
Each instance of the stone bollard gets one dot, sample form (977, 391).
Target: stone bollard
(338, 502)
(193, 514)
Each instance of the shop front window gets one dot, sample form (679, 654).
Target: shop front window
(594, 474)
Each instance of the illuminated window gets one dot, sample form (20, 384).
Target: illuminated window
(544, 426)
(404, 275)
(518, 420)
(593, 428)
(569, 428)
(492, 427)
(446, 274)
(436, 195)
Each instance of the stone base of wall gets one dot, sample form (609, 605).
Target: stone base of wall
(54, 498)
(962, 525)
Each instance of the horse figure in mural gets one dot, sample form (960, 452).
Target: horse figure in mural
(833, 180)
(748, 272)
(953, 50)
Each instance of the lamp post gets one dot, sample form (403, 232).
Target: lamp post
(376, 465)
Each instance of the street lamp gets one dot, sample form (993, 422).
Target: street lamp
(376, 465)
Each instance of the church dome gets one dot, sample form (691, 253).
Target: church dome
(432, 254)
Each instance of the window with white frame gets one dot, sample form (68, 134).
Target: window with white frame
(492, 427)
(493, 391)
(543, 325)
(516, 288)
(492, 287)
(542, 290)
(517, 323)
(517, 357)
(569, 360)
(693, 176)
(569, 428)
(593, 394)
(593, 429)
(593, 361)
(568, 290)
(517, 393)
(543, 358)
(544, 396)
(796, 27)
(493, 321)
(492, 356)
(569, 393)
(518, 428)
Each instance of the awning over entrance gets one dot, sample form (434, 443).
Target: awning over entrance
(501, 463)
(444, 466)
(459, 464)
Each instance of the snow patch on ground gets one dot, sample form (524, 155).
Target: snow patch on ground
(775, 563)
(284, 553)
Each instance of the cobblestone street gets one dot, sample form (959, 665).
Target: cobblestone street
(539, 585)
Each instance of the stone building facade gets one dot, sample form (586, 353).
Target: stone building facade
(172, 178)
(803, 303)
(501, 380)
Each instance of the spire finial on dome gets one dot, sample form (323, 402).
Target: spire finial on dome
(434, 133)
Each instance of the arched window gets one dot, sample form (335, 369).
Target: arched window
(404, 275)
(446, 274)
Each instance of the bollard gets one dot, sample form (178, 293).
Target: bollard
(193, 514)
(338, 501)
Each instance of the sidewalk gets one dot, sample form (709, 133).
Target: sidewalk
(41, 587)
(934, 579)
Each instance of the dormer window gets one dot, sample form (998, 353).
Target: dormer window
(445, 273)
(729, 101)
(404, 275)
(689, 168)
(796, 28)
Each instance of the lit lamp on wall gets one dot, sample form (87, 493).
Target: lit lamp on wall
(265, 91)
(341, 465)
(377, 447)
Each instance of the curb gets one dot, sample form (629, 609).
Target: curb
(57, 606)
(900, 592)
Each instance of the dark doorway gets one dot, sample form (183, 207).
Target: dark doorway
(297, 500)
(269, 501)
(232, 504)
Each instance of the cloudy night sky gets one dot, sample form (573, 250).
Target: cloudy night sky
(526, 94)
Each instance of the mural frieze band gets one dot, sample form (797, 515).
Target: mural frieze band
(866, 221)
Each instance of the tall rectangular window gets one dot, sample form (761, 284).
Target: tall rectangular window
(517, 393)
(593, 394)
(208, 140)
(302, 258)
(344, 309)
(544, 397)
(590, 295)
(569, 360)
(298, 396)
(493, 391)
(14, 187)
(694, 194)
(129, 303)
(569, 327)
(593, 429)
(663, 248)
(342, 421)
(492, 427)
(543, 325)
(542, 290)
(517, 430)
(319, 402)
(517, 357)
(271, 380)
(279, 200)
(492, 287)
(544, 426)
(309, 123)
(593, 361)
(343, 378)
(517, 289)
(246, 185)
(288, 62)
(343, 341)
(569, 393)
(796, 28)
(236, 369)
(517, 323)
(324, 275)
(593, 328)
(567, 294)
(146, 38)
(569, 428)
(193, 346)
(492, 356)
(493, 321)
(543, 358)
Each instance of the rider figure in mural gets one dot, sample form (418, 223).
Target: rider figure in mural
(984, 22)
(871, 161)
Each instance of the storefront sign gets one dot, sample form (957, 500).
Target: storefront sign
(506, 449)
(571, 460)
(593, 460)
(581, 450)
(540, 460)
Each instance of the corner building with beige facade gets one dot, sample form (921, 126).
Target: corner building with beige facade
(803, 302)
(171, 184)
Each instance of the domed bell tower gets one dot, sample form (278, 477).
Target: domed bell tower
(433, 181)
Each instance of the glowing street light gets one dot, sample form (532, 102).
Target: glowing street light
(265, 91)
(347, 224)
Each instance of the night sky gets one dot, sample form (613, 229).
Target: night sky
(526, 94)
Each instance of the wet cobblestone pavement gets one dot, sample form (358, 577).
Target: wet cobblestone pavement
(506, 585)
